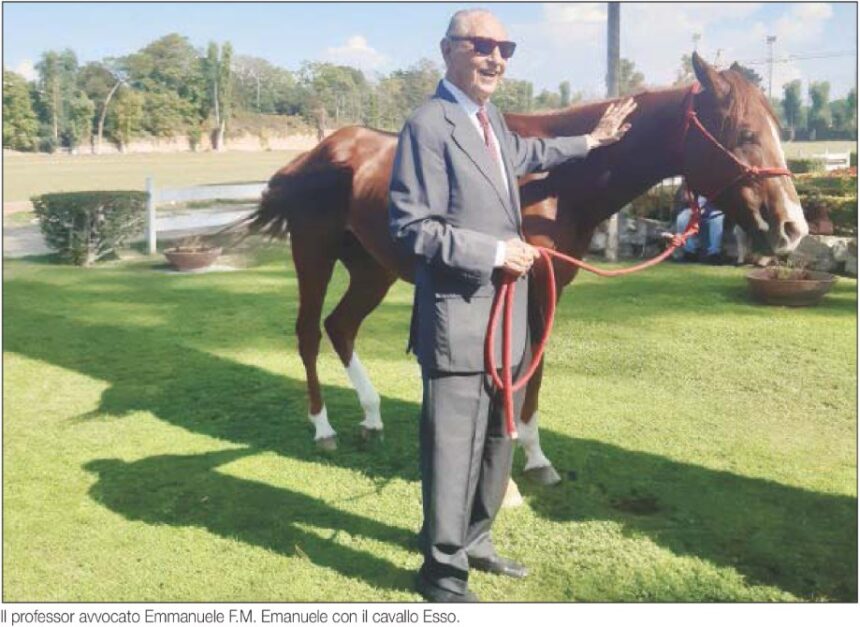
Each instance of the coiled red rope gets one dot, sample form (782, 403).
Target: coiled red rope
(505, 293)
(505, 296)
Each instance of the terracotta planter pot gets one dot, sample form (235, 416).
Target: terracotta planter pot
(789, 292)
(185, 260)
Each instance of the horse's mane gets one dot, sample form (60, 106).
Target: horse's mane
(745, 96)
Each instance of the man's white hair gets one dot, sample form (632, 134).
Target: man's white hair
(459, 24)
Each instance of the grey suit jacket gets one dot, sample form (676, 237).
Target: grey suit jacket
(448, 208)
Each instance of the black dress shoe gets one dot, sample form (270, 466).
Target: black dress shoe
(499, 565)
(435, 594)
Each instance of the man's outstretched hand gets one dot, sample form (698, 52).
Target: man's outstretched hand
(612, 126)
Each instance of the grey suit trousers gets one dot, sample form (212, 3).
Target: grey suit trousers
(466, 457)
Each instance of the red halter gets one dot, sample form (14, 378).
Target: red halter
(505, 293)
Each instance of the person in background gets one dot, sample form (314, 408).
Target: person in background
(707, 244)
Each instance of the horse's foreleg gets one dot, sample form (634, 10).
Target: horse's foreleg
(314, 272)
(368, 284)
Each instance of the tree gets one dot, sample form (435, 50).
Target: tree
(20, 124)
(262, 87)
(564, 93)
(100, 81)
(126, 117)
(791, 105)
(629, 80)
(79, 120)
(57, 86)
(685, 73)
(514, 96)
(547, 100)
(819, 112)
(220, 89)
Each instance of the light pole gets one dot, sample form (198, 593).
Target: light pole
(613, 62)
(770, 40)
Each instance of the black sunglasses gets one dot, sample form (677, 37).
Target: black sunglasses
(485, 46)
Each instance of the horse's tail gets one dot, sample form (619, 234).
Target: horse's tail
(315, 181)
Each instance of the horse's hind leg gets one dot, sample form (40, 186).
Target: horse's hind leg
(368, 284)
(314, 263)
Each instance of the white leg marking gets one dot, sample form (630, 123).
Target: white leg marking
(530, 441)
(320, 422)
(367, 394)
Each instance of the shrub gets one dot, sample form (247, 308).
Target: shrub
(852, 160)
(84, 227)
(801, 166)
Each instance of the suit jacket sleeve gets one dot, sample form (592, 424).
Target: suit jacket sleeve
(536, 154)
(418, 208)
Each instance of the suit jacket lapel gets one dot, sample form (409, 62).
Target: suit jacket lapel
(466, 137)
(513, 185)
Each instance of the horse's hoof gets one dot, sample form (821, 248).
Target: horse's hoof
(543, 475)
(327, 444)
(513, 498)
(372, 435)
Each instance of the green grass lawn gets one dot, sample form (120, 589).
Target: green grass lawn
(156, 445)
(28, 175)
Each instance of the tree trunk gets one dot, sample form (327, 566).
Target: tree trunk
(103, 116)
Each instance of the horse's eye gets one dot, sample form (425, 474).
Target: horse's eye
(746, 137)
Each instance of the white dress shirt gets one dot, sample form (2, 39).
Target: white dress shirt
(471, 108)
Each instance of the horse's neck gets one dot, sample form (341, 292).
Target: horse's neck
(617, 174)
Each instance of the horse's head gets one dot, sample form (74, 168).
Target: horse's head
(737, 114)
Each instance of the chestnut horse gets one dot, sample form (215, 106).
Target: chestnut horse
(333, 202)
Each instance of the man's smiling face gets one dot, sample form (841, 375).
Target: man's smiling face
(476, 75)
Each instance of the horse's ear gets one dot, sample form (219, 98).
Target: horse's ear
(736, 67)
(709, 77)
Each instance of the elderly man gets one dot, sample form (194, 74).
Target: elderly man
(454, 207)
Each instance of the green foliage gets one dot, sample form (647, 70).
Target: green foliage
(685, 74)
(630, 80)
(58, 89)
(564, 93)
(79, 123)
(791, 104)
(125, 117)
(20, 125)
(853, 159)
(546, 101)
(514, 96)
(819, 113)
(84, 227)
(166, 114)
(802, 166)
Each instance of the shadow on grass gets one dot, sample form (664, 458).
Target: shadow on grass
(187, 490)
(800, 541)
(797, 540)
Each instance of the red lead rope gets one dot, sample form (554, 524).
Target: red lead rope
(505, 294)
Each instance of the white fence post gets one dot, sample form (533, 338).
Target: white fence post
(150, 215)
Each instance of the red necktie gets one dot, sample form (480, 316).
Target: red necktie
(489, 142)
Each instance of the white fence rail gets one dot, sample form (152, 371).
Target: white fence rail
(164, 195)
(834, 160)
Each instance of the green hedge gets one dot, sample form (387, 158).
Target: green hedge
(833, 185)
(802, 166)
(84, 227)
